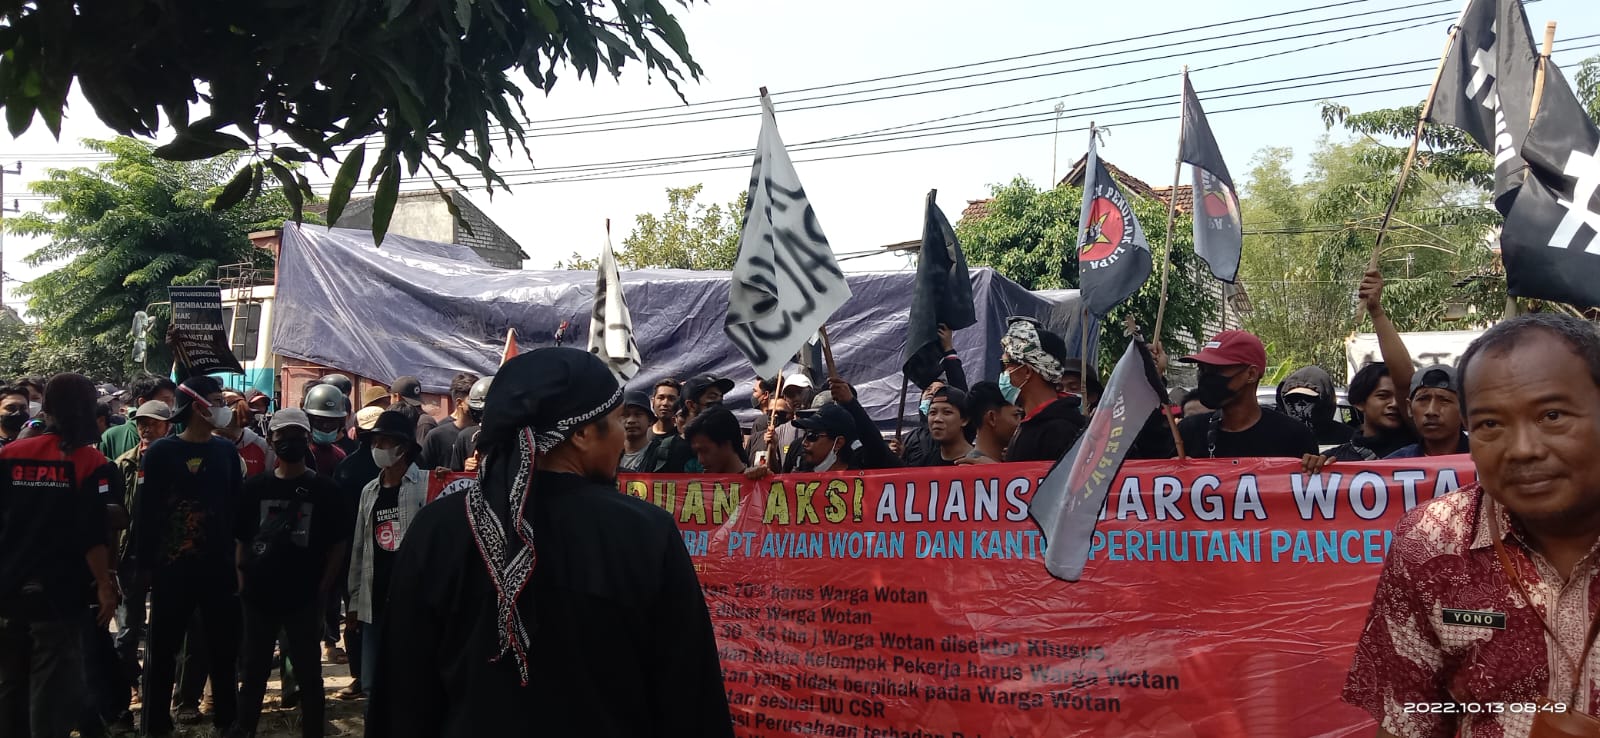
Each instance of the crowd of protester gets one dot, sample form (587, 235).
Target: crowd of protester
(225, 539)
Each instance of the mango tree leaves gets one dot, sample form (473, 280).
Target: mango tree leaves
(325, 74)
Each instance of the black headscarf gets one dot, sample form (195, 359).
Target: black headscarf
(538, 401)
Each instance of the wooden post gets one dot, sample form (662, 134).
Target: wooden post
(1411, 154)
(1172, 214)
(827, 352)
(900, 417)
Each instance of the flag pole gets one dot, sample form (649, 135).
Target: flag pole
(1083, 327)
(1513, 309)
(900, 417)
(1411, 154)
(827, 351)
(1172, 213)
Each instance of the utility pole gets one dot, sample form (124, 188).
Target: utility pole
(1060, 108)
(15, 208)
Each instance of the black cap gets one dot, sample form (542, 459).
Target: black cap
(1438, 376)
(830, 419)
(952, 396)
(409, 389)
(638, 399)
(697, 386)
(398, 425)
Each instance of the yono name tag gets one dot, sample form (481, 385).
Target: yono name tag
(1474, 618)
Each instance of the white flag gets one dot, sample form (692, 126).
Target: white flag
(610, 325)
(786, 283)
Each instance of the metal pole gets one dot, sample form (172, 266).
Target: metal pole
(3, 210)
(1055, 143)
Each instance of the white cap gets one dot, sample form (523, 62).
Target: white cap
(799, 379)
(367, 417)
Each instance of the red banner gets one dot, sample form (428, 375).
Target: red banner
(1221, 598)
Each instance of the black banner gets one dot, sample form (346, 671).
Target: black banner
(202, 339)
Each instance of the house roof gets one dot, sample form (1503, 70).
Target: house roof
(979, 209)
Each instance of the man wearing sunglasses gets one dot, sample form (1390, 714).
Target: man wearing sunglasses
(780, 411)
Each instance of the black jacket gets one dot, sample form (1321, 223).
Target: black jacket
(1048, 434)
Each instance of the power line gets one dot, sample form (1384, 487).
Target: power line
(753, 98)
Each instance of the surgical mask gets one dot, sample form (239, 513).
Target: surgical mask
(12, 422)
(34, 408)
(1006, 387)
(293, 452)
(385, 457)
(1214, 391)
(324, 437)
(221, 417)
(925, 406)
(828, 461)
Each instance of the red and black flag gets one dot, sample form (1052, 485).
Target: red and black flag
(1113, 255)
(1486, 86)
(1551, 239)
(943, 296)
(1218, 232)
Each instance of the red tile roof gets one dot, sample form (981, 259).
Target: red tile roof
(979, 209)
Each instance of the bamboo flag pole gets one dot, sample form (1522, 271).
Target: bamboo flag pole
(1172, 215)
(1086, 318)
(1411, 154)
(1539, 67)
(827, 352)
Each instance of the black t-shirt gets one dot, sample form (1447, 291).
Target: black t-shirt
(385, 542)
(288, 528)
(438, 447)
(465, 444)
(187, 504)
(52, 511)
(1275, 435)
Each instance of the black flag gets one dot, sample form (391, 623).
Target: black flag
(1486, 86)
(1551, 239)
(1218, 233)
(943, 295)
(1113, 255)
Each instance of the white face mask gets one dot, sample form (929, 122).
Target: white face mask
(385, 457)
(828, 461)
(222, 417)
(34, 408)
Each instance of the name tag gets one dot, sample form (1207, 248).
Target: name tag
(1474, 618)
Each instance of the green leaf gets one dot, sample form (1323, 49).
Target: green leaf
(19, 114)
(287, 153)
(344, 182)
(541, 12)
(192, 145)
(464, 15)
(383, 203)
(236, 188)
(291, 189)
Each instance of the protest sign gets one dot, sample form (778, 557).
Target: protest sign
(202, 338)
(1221, 598)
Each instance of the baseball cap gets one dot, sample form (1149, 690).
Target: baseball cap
(409, 389)
(830, 419)
(1231, 348)
(640, 400)
(1438, 376)
(1306, 391)
(367, 417)
(952, 396)
(799, 379)
(154, 409)
(291, 417)
(257, 397)
(694, 388)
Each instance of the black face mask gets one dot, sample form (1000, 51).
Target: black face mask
(1301, 410)
(1214, 391)
(293, 452)
(13, 422)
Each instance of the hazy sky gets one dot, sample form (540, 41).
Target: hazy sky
(864, 202)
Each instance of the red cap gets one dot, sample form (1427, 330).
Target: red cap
(1231, 348)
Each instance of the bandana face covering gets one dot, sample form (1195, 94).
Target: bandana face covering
(1021, 341)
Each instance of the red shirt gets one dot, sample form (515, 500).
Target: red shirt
(1442, 572)
(255, 459)
(326, 458)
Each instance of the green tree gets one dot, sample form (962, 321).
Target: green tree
(1588, 84)
(1030, 235)
(128, 229)
(428, 79)
(688, 236)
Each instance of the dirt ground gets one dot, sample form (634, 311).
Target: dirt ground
(344, 716)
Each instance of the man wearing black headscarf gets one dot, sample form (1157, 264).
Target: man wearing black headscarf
(601, 631)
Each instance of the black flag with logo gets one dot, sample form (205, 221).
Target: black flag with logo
(943, 295)
(1218, 232)
(1551, 239)
(1113, 255)
(1486, 86)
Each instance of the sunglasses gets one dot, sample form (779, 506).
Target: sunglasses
(782, 417)
(813, 437)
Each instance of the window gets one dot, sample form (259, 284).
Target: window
(244, 329)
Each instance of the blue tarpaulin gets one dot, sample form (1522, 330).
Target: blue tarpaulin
(432, 310)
